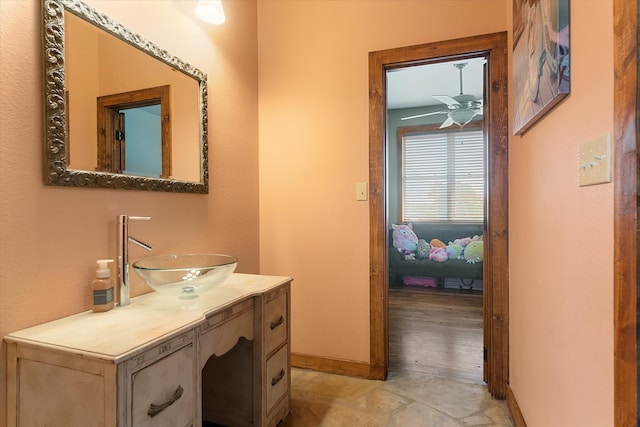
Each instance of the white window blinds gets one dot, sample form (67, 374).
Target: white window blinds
(443, 176)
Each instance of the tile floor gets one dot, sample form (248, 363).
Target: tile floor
(407, 400)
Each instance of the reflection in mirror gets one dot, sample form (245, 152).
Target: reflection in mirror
(134, 133)
(120, 112)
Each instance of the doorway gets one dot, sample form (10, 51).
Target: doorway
(495, 279)
(436, 178)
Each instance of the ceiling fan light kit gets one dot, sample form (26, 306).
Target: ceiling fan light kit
(461, 109)
(462, 116)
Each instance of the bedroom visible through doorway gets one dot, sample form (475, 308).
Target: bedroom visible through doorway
(436, 180)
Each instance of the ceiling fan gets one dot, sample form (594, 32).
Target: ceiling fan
(461, 109)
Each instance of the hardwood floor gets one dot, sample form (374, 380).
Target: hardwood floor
(436, 332)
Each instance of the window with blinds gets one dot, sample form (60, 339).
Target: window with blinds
(443, 176)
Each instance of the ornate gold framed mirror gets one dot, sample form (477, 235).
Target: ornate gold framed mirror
(119, 111)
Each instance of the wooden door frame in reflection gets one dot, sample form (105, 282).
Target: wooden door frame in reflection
(111, 154)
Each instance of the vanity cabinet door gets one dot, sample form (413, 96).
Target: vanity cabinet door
(55, 389)
(163, 392)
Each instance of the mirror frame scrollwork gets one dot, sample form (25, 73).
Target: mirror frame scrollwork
(55, 114)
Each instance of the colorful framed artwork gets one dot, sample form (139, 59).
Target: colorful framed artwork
(541, 67)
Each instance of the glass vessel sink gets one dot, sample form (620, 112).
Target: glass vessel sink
(185, 276)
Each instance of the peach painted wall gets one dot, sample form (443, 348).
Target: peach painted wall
(314, 148)
(314, 107)
(50, 237)
(561, 245)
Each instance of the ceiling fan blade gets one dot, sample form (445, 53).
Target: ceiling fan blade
(447, 123)
(446, 100)
(423, 115)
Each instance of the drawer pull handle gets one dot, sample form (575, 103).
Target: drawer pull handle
(277, 379)
(277, 323)
(156, 409)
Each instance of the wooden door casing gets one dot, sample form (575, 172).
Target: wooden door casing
(494, 47)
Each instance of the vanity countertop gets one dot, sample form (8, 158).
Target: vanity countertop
(119, 332)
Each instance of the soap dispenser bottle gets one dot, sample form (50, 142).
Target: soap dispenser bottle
(102, 287)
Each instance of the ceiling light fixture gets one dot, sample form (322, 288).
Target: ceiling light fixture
(210, 11)
(462, 117)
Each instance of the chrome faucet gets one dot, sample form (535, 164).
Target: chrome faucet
(123, 240)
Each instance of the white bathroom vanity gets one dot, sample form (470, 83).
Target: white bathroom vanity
(222, 358)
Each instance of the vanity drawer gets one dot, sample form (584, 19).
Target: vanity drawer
(276, 323)
(163, 392)
(277, 381)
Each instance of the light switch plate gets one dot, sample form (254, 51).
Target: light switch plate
(594, 161)
(362, 191)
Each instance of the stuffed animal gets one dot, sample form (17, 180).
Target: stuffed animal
(455, 250)
(438, 254)
(474, 252)
(422, 251)
(437, 243)
(404, 239)
(464, 241)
